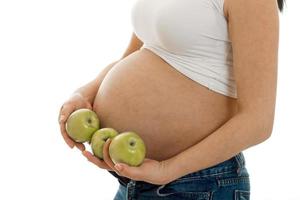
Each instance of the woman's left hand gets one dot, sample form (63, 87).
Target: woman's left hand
(150, 171)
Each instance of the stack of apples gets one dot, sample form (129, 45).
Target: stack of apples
(83, 125)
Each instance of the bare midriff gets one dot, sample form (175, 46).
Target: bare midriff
(171, 112)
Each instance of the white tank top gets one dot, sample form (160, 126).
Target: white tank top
(190, 35)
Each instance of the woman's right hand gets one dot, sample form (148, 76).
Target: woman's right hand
(75, 102)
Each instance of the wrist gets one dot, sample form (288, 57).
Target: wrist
(78, 94)
(87, 92)
(172, 169)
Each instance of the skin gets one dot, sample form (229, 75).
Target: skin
(154, 110)
(192, 127)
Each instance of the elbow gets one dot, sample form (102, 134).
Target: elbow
(259, 127)
(259, 119)
(264, 132)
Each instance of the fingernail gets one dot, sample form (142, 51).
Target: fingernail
(118, 167)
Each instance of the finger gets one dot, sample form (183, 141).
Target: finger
(134, 173)
(67, 139)
(61, 108)
(100, 163)
(106, 156)
(60, 117)
(65, 112)
(80, 146)
(95, 160)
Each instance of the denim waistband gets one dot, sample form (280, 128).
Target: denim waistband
(236, 163)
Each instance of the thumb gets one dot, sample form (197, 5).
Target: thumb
(120, 167)
(128, 171)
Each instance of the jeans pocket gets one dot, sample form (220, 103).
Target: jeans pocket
(242, 195)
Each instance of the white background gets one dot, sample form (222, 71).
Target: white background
(50, 48)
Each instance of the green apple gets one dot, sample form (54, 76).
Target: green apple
(127, 147)
(81, 124)
(99, 138)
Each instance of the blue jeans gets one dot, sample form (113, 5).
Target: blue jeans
(228, 180)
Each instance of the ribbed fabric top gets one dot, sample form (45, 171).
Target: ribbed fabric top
(190, 35)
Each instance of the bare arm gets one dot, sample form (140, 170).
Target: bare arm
(254, 31)
(89, 90)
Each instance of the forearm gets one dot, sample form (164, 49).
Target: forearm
(239, 133)
(90, 89)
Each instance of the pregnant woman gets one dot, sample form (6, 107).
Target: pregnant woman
(198, 84)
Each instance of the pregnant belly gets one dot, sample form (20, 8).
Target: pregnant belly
(171, 112)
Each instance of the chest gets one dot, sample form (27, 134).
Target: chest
(178, 24)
